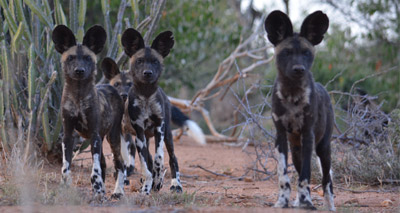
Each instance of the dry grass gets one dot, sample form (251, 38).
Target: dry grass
(375, 163)
(26, 184)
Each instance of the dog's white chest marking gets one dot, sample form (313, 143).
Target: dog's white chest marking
(148, 107)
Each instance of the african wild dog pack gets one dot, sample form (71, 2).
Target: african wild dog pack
(133, 104)
(301, 109)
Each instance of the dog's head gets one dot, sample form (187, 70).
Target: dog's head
(146, 63)
(120, 80)
(79, 60)
(295, 51)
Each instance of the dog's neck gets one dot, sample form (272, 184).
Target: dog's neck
(79, 89)
(145, 89)
(290, 90)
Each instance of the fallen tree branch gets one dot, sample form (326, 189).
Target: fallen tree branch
(214, 173)
(362, 191)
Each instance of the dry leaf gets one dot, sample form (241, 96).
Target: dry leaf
(386, 203)
(228, 171)
(352, 201)
(247, 179)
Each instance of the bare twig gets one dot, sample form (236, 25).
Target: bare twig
(214, 173)
(362, 191)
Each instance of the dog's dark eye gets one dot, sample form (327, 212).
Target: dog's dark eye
(70, 58)
(130, 84)
(306, 53)
(116, 84)
(87, 58)
(286, 52)
(155, 62)
(140, 61)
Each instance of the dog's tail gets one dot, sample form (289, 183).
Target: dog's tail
(183, 121)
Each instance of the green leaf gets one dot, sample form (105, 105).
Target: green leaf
(37, 11)
(9, 17)
(17, 37)
(31, 77)
(82, 12)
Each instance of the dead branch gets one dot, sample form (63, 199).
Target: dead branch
(224, 79)
(221, 80)
(361, 191)
(211, 138)
(214, 173)
(349, 139)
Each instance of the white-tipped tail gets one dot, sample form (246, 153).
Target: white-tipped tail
(195, 132)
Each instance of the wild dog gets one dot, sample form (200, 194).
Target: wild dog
(93, 111)
(123, 81)
(301, 109)
(148, 108)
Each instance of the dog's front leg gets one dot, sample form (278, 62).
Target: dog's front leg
(303, 190)
(96, 176)
(159, 157)
(67, 146)
(282, 156)
(145, 159)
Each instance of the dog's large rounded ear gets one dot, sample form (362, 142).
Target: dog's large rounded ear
(278, 27)
(109, 68)
(63, 38)
(95, 38)
(132, 41)
(314, 27)
(163, 43)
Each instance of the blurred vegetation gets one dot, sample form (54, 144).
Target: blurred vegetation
(375, 49)
(204, 36)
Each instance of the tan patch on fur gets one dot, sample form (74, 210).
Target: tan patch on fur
(72, 51)
(287, 43)
(158, 56)
(141, 53)
(118, 78)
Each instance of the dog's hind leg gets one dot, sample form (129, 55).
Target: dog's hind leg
(176, 185)
(324, 154)
(158, 169)
(114, 138)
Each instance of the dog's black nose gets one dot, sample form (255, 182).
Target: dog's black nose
(124, 96)
(299, 69)
(79, 70)
(148, 73)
